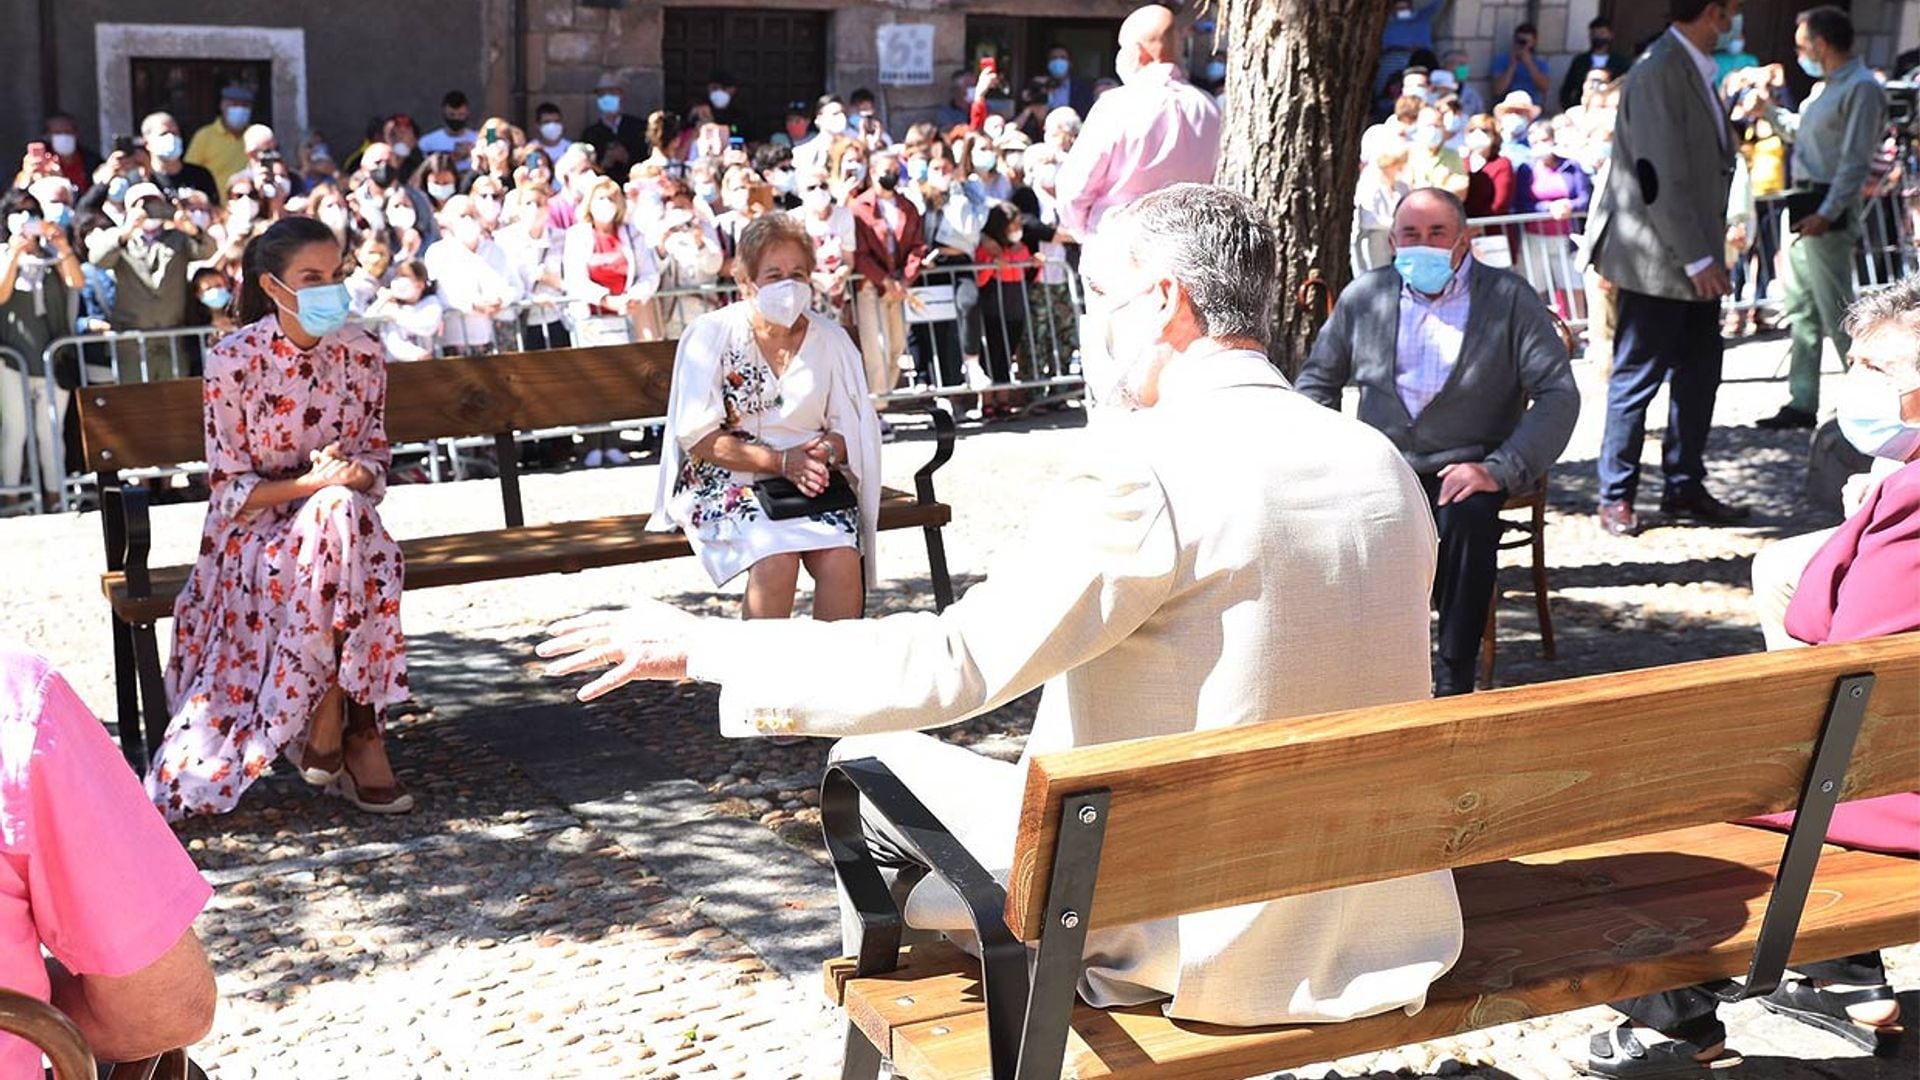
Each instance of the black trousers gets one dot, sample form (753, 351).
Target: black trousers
(1692, 1014)
(1658, 340)
(1464, 579)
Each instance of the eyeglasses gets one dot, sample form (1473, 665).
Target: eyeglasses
(811, 187)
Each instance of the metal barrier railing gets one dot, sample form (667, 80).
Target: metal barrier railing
(1544, 249)
(1033, 326)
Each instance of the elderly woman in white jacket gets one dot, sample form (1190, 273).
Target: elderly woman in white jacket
(609, 270)
(763, 390)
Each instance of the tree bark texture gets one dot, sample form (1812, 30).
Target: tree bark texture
(1299, 81)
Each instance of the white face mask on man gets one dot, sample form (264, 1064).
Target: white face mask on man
(1116, 350)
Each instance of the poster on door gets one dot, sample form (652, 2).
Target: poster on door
(906, 54)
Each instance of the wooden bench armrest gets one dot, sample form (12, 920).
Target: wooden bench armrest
(1003, 957)
(48, 1029)
(944, 432)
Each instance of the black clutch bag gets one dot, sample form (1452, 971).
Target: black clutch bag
(781, 500)
(1805, 203)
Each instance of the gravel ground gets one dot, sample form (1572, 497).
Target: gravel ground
(518, 924)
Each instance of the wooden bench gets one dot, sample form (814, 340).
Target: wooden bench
(1586, 821)
(159, 424)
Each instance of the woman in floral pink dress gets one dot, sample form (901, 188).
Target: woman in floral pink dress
(287, 636)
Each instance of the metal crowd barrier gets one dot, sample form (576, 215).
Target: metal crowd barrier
(1041, 347)
(1885, 253)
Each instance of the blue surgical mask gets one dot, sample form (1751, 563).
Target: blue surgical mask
(1724, 42)
(216, 299)
(984, 161)
(608, 104)
(1869, 415)
(323, 308)
(1427, 269)
(60, 214)
(916, 169)
(237, 115)
(1814, 68)
(1059, 66)
(1216, 70)
(117, 188)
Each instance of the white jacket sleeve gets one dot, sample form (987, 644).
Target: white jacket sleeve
(1104, 566)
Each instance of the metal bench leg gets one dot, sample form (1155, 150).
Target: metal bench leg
(126, 691)
(153, 690)
(1487, 638)
(861, 1059)
(937, 567)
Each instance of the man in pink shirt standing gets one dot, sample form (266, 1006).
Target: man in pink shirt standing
(89, 870)
(1155, 130)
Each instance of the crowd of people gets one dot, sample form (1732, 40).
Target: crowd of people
(1543, 146)
(625, 227)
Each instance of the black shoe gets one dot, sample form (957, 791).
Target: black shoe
(1452, 678)
(1695, 504)
(1618, 1055)
(1788, 419)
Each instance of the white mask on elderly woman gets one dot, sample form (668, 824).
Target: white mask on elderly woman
(782, 302)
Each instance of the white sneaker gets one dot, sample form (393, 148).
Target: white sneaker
(595, 459)
(617, 456)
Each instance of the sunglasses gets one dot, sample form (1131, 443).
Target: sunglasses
(811, 187)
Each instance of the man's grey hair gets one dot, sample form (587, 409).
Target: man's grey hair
(1896, 305)
(1217, 244)
(1440, 195)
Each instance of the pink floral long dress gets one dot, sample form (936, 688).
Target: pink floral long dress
(285, 601)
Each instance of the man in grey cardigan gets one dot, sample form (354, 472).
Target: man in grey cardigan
(1459, 365)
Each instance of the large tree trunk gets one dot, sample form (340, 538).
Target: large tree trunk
(1299, 82)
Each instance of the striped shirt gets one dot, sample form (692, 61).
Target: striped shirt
(1432, 330)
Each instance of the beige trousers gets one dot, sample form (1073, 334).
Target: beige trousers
(883, 337)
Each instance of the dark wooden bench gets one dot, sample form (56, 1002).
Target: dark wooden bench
(153, 425)
(1586, 821)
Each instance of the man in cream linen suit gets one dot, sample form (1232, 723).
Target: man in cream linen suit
(1232, 553)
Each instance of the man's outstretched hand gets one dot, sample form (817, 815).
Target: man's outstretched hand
(647, 641)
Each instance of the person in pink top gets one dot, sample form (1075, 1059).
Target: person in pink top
(90, 871)
(1155, 130)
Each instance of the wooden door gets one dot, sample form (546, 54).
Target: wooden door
(190, 90)
(778, 56)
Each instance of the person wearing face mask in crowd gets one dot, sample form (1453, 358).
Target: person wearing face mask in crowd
(536, 251)
(269, 166)
(1417, 82)
(1030, 118)
(476, 282)
(492, 153)
(404, 138)
(1600, 56)
(326, 205)
(795, 126)
(1556, 186)
(1521, 71)
(744, 196)
(830, 124)
(619, 141)
(550, 130)
(166, 153)
(372, 259)
(39, 277)
(293, 513)
(1213, 78)
(1050, 305)
(408, 232)
(534, 169)
(409, 314)
(1395, 131)
(889, 247)
(1429, 162)
(723, 97)
(846, 170)
(69, 158)
(1457, 63)
(1836, 137)
(148, 256)
(1515, 115)
(1490, 176)
(1156, 130)
(710, 143)
(382, 187)
(1064, 89)
(455, 137)
(1006, 267)
(316, 161)
(982, 163)
(1135, 589)
(831, 228)
(439, 178)
(1383, 183)
(865, 123)
(762, 389)
(775, 163)
(1730, 52)
(220, 146)
(572, 172)
(1408, 35)
(955, 212)
(488, 195)
(214, 290)
(1471, 382)
(1849, 583)
(1453, 121)
(610, 273)
(689, 253)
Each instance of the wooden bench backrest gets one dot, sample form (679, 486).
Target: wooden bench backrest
(151, 424)
(1232, 816)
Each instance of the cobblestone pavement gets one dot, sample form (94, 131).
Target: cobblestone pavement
(615, 891)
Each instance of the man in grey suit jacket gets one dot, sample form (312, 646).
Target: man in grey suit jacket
(1471, 384)
(1658, 233)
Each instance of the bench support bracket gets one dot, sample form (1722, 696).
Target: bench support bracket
(1056, 970)
(1826, 774)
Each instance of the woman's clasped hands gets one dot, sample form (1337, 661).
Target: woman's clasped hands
(330, 467)
(810, 465)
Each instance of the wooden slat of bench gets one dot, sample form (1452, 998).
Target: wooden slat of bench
(150, 424)
(1683, 907)
(561, 547)
(1386, 792)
